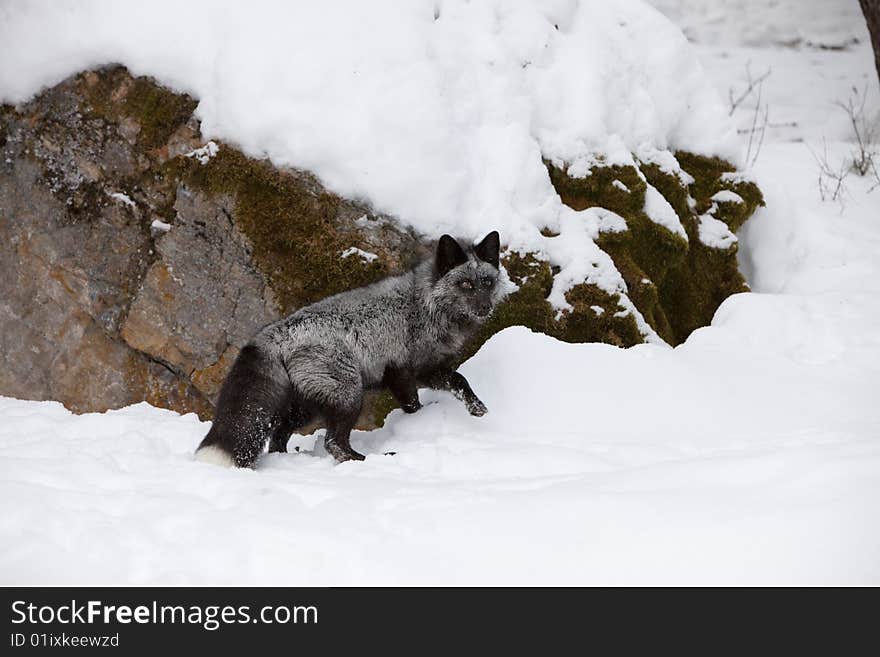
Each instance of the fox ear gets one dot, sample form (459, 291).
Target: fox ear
(488, 249)
(449, 255)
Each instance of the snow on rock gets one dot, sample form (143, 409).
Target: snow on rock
(726, 196)
(122, 198)
(659, 211)
(714, 233)
(365, 255)
(205, 153)
(437, 113)
(160, 226)
(665, 161)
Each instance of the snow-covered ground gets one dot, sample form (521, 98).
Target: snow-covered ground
(749, 454)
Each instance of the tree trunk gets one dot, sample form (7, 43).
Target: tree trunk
(871, 10)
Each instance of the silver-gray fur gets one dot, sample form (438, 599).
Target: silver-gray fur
(400, 333)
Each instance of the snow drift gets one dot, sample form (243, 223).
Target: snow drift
(438, 112)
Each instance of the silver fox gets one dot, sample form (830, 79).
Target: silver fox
(400, 333)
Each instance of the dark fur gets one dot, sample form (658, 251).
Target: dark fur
(401, 333)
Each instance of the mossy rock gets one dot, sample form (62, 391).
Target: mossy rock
(291, 220)
(602, 187)
(113, 94)
(297, 230)
(595, 315)
(712, 175)
(676, 284)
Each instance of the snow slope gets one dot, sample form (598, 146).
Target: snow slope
(749, 454)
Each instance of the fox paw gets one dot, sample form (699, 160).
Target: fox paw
(342, 453)
(477, 408)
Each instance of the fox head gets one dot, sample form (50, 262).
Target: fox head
(466, 283)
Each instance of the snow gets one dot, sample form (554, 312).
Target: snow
(205, 153)
(122, 198)
(438, 112)
(748, 455)
(660, 211)
(160, 226)
(665, 161)
(364, 255)
(726, 196)
(773, 23)
(714, 232)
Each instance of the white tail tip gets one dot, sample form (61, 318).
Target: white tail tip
(214, 455)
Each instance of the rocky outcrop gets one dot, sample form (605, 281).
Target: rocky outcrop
(137, 260)
(135, 265)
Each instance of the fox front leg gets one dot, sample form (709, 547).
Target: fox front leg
(455, 383)
(402, 384)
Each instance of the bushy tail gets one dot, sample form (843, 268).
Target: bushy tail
(215, 455)
(254, 400)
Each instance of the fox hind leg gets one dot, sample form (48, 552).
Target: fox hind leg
(329, 379)
(337, 442)
(298, 416)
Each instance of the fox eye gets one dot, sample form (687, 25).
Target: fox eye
(466, 285)
(488, 282)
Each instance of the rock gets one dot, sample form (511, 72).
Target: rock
(101, 308)
(138, 259)
(202, 294)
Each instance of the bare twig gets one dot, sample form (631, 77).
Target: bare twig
(831, 179)
(751, 159)
(760, 115)
(752, 85)
(865, 155)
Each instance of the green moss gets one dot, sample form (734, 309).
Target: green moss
(735, 214)
(653, 246)
(383, 404)
(113, 94)
(289, 219)
(676, 284)
(158, 111)
(643, 291)
(528, 307)
(582, 324)
(694, 290)
(598, 188)
(706, 172)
